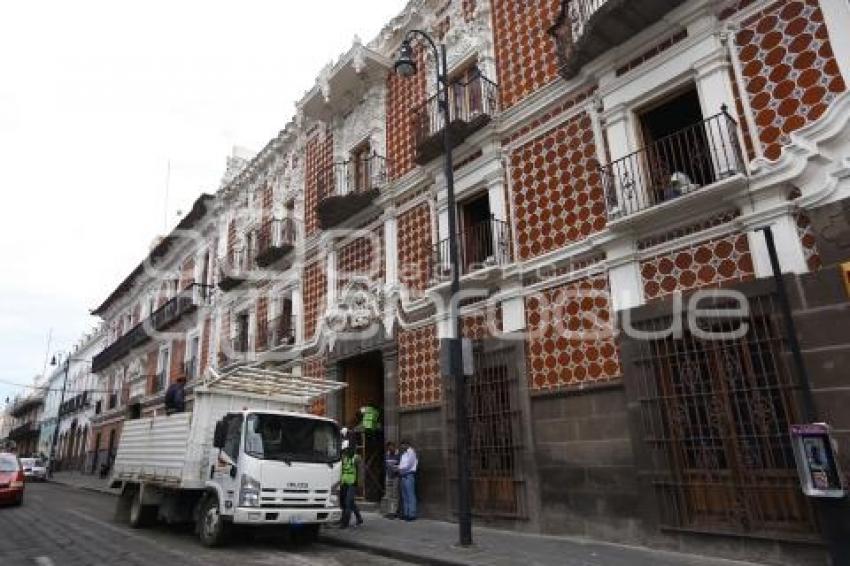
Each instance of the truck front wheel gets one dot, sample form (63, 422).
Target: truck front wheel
(141, 515)
(212, 528)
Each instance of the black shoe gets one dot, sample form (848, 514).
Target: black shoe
(359, 522)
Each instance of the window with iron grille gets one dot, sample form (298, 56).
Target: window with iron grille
(715, 418)
(495, 447)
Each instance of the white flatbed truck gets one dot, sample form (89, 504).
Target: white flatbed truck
(246, 454)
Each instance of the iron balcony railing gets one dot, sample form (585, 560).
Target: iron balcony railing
(281, 331)
(277, 236)
(121, 347)
(471, 101)
(681, 163)
(186, 301)
(482, 245)
(234, 268)
(74, 404)
(354, 176)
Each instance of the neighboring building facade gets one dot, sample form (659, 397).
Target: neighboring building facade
(609, 157)
(77, 409)
(25, 419)
(49, 416)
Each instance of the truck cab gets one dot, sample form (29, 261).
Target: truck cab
(276, 467)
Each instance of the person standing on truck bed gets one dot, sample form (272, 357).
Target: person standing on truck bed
(175, 396)
(348, 485)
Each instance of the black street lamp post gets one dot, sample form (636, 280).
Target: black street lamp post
(406, 66)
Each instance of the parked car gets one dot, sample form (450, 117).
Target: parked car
(34, 468)
(12, 479)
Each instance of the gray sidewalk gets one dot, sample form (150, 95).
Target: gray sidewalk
(90, 482)
(434, 542)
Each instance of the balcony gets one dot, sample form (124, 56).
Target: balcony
(184, 303)
(281, 332)
(588, 28)
(134, 338)
(24, 430)
(235, 269)
(473, 104)
(481, 246)
(349, 187)
(676, 166)
(74, 404)
(277, 240)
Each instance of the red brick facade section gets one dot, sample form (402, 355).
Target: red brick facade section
(319, 158)
(315, 289)
(224, 344)
(315, 367)
(150, 371)
(404, 95)
(808, 240)
(570, 336)
(710, 263)
(419, 380)
(262, 332)
(178, 353)
(415, 248)
(360, 259)
(789, 70)
(525, 52)
(483, 325)
(557, 190)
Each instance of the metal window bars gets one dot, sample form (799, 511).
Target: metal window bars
(481, 245)
(360, 174)
(715, 418)
(281, 331)
(681, 163)
(469, 100)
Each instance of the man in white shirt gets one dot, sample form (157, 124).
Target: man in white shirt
(407, 467)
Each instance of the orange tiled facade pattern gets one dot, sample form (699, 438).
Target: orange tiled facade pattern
(414, 247)
(315, 289)
(319, 159)
(361, 259)
(709, 263)
(419, 380)
(570, 336)
(525, 52)
(403, 96)
(789, 70)
(557, 190)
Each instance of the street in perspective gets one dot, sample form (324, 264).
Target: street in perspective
(492, 282)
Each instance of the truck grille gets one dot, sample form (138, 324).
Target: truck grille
(294, 498)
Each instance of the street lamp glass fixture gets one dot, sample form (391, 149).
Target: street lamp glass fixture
(405, 65)
(53, 361)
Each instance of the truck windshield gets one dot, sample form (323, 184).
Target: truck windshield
(291, 439)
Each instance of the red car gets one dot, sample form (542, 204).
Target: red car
(11, 479)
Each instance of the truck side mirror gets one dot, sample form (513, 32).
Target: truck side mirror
(220, 434)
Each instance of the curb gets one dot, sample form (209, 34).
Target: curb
(390, 552)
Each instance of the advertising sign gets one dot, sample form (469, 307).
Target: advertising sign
(817, 465)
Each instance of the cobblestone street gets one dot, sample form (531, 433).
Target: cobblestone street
(65, 526)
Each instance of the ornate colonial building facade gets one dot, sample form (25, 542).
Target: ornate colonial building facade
(611, 159)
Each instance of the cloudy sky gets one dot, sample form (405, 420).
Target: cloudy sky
(96, 98)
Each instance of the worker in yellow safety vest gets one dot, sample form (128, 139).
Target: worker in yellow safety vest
(371, 418)
(348, 486)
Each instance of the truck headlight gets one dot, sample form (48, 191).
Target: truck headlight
(333, 500)
(249, 492)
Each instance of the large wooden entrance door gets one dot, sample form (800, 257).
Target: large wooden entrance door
(364, 376)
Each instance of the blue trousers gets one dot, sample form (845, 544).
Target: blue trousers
(408, 496)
